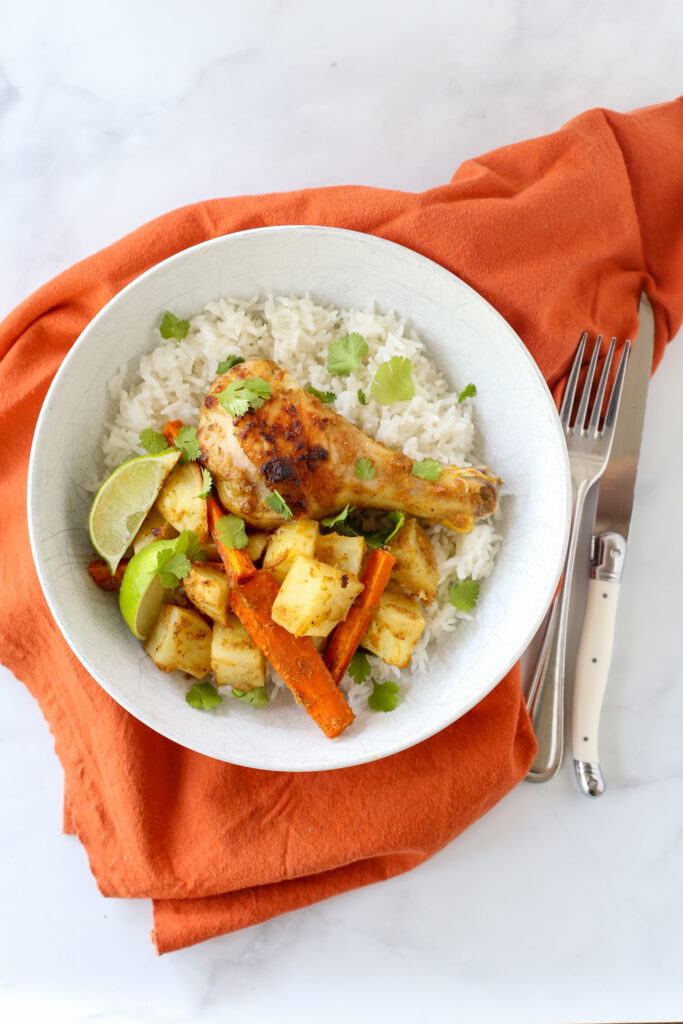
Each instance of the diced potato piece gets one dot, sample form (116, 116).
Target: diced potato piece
(395, 628)
(154, 527)
(314, 597)
(180, 639)
(415, 570)
(179, 504)
(297, 537)
(235, 658)
(258, 542)
(209, 591)
(346, 553)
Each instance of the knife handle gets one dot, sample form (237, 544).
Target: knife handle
(594, 657)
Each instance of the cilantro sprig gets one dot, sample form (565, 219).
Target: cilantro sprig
(384, 696)
(242, 395)
(326, 397)
(360, 668)
(349, 525)
(153, 442)
(232, 532)
(346, 354)
(174, 564)
(463, 594)
(365, 469)
(361, 397)
(207, 484)
(378, 538)
(172, 327)
(203, 696)
(258, 697)
(469, 391)
(278, 504)
(187, 444)
(340, 517)
(428, 469)
(171, 568)
(227, 364)
(393, 381)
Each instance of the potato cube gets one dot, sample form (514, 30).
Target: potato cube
(180, 639)
(154, 527)
(179, 504)
(208, 590)
(314, 597)
(258, 542)
(395, 628)
(415, 570)
(297, 537)
(346, 553)
(235, 658)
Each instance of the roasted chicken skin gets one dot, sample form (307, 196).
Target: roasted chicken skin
(307, 452)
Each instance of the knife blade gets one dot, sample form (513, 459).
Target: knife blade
(610, 533)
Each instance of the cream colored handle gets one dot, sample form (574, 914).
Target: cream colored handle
(592, 668)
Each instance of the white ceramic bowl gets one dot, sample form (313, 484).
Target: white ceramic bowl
(520, 436)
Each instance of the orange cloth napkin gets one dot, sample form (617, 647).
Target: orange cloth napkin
(560, 234)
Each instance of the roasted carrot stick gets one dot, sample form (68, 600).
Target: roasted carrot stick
(348, 634)
(238, 564)
(99, 570)
(171, 429)
(295, 658)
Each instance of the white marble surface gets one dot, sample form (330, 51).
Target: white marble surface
(552, 908)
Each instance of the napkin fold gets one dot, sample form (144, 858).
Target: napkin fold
(560, 234)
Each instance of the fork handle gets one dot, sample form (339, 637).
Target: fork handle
(593, 659)
(546, 702)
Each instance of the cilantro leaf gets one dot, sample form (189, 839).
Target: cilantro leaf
(172, 327)
(241, 395)
(379, 538)
(365, 469)
(360, 667)
(203, 696)
(278, 504)
(463, 594)
(361, 397)
(326, 397)
(345, 354)
(228, 364)
(469, 391)
(384, 696)
(186, 442)
(393, 381)
(430, 469)
(339, 518)
(258, 697)
(172, 566)
(187, 543)
(207, 484)
(153, 442)
(231, 532)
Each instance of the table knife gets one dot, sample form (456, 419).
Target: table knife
(608, 552)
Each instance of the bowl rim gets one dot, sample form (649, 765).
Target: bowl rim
(73, 354)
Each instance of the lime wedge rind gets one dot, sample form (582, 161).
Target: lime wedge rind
(123, 501)
(142, 593)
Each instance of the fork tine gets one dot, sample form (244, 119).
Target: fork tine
(613, 406)
(588, 384)
(572, 380)
(594, 422)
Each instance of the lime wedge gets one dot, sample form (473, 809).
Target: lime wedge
(123, 501)
(141, 594)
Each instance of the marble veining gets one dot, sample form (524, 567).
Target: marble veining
(552, 907)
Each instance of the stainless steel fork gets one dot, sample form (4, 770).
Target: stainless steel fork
(588, 446)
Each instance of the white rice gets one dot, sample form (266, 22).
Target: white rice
(171, 381)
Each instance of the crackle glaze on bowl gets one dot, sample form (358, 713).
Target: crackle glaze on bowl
(519, 435)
